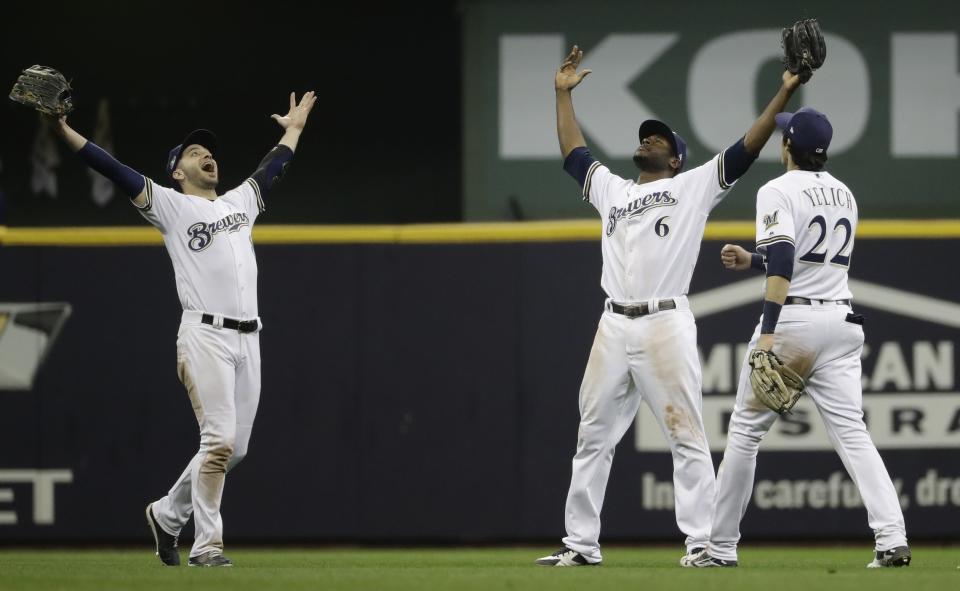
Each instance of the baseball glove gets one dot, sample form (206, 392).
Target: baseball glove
(774, 384)
(44, 89)
(803, 48)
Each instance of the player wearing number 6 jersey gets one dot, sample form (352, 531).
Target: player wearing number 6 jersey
(806, 221)
(646, 342)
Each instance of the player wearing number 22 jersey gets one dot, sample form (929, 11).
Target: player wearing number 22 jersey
(646, 342)
(806, 222)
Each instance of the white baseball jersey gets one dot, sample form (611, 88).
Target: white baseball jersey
(652, 231)
(651, 238)
(818, 215)
(210, 245)
(211, 248)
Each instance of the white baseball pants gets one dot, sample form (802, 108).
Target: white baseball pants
(822, 346)
(652, 358)
(220, 369)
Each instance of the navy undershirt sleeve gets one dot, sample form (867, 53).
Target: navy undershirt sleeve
(771, 314)
(272, 168)
(130, 181)
(577, 163)
(779, 263)
(780, 260)
(736, 161)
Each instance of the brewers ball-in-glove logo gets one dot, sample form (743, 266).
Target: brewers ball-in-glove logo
(638, 207)
(201, 233)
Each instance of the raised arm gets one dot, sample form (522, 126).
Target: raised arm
(130, 181)
(71, 137)
(763, 127)
(274, 164)
(738, 157)
(567, 78)
(295, 119)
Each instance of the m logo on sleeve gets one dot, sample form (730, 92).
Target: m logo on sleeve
(770, 220)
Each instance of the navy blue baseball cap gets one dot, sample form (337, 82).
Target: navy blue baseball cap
(654, 127)
(201, 137)
(807, 129)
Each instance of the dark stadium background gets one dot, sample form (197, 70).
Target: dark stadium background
(383, 144)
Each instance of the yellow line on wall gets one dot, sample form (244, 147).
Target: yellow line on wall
(909, 229)
(543, 231)
(92, 236)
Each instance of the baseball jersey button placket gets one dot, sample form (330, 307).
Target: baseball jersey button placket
(243, 288)
(236, 273)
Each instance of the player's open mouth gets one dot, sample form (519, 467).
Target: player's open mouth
(208, 167)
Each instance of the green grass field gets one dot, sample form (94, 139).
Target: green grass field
(821, 568)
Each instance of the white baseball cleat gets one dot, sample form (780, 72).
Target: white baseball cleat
(565, 557)
(704, 560)
(687, 560)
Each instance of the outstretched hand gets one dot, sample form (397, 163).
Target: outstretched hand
(567, 76)
(296, 117)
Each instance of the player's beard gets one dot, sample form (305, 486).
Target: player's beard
(649, 162)
(202, 181)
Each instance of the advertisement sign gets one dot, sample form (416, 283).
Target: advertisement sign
(707, 71)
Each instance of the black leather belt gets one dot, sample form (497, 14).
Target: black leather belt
(798, 301)
(237, 325)
(642, 309)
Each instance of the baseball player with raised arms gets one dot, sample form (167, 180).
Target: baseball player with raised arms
(806, 223)
(646, 342)
(208, 238)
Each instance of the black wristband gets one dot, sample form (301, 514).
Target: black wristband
(756, 262)
(771, 313)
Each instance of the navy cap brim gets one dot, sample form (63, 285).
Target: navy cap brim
(654, 127)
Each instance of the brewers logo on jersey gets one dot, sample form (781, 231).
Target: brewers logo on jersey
(220, 232)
